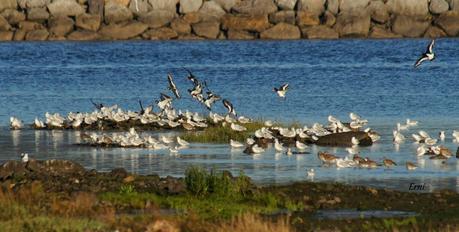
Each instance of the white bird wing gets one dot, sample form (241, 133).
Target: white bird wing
(430, 47)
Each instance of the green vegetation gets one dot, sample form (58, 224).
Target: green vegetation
(211, 195)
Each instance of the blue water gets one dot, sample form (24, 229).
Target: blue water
(374, 78)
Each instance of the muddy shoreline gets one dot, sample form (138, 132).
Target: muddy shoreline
(61, 182)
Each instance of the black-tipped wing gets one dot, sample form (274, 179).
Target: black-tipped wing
(191, 77)
(284, 87)
(420, 60)
(172, 86)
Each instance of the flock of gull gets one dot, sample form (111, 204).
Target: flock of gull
(287, 141)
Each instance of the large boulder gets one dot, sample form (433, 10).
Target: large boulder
(382, 33)
(27, 4)
(82, 35)
(30, 26)
(410, 26)
(434, 32)
(115, 13)
(333, 6)
(379, 12)
(454, 5)
(96, 7)
(255, 7)
(181, 26)
(344, 139)
(13, 16)
(157, 18)
(211, 10)
(187, 6)
(6, 35)
(240, 35)
(351, 24)
(354, 6)
(37, 35)
(408, 7)
(19, 35)
(248, 23)
(8, 4)
(169, 5)
(4, 25)
(286, 16)
(438, 6)
(163, 33)
(227, 4)
(139, 7)
(90, 22)
(449, 22)
(282, 31)
(60, 26)
(65, 8)
(307, 18)
(329, 19)
(37, 14)
(121, 2)
(319, 32)
(286, 4)
(317, 7)
(123, 31)
(209, 30)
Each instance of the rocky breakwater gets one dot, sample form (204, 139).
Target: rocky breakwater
(226, 19)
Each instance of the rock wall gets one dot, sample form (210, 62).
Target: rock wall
(225, 19)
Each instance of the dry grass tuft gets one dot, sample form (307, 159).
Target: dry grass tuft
(254, 223)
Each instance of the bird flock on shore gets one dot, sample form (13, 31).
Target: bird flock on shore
(287, 141)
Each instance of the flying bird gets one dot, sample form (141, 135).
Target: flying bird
(281, 91)
(229, 107)
(172, 86)
(98, 106)
(192, 77)
(428, 55)
(211, 99)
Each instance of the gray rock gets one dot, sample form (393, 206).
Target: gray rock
(454, 5)
(354, 6)
(157, 18)
(26, 4)
(169, 5)
(333, 6)
(123, 32)
(351, 24)
(65, 8)
(240, 35)
(319, 32)
(60, 26)
(82, 35)
(379, 11)
(37, 14)
(438, 6)
(255, 7)
(139, 7)
(209, 30)
(13, 16)
(344, 139)
(449, 22)
(286, 16)
(317, 7)
(227, 4)
(408, 7)
(8, 4)
(115, 13)
(281, 31)
(187, 6)
(410, 26)
(37, 35)
(88, 22)
(211, 10)
(434, 32)
(286, 4)
(163, 33)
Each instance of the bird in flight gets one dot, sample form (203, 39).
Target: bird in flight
(281, 91)
(172, 86)
(428, 55)
(229, 107)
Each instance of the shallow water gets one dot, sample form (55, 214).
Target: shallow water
(355, 214)
(374, 78)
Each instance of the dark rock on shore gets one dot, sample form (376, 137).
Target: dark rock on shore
(344, 139)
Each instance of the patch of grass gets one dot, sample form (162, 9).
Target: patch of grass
(251, 222)
(222, 134)
(50, 223)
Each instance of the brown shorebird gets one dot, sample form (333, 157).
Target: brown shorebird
(367, 163)
(410, 166)
(388, 163)
(327, 158)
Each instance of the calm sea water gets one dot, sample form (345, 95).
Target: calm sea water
(374, 78)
